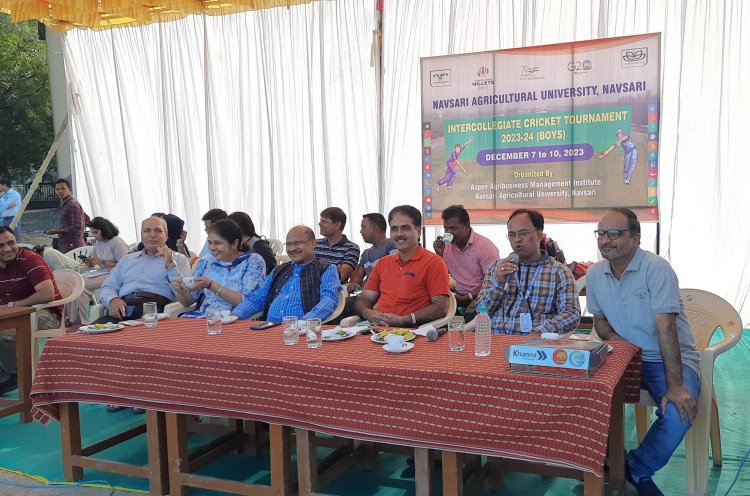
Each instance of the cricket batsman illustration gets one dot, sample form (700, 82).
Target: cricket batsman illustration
(630, 158)
(453, 165)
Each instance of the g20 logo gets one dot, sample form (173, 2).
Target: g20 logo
(578, 66)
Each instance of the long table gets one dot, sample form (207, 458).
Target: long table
(428, 398)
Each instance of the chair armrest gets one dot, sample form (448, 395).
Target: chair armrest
(176, 308)
(716, 349)
(97, 311)
(350, 321)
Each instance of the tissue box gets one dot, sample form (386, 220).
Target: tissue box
(568, 357)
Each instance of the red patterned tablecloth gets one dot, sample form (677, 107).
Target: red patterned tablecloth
(429, 397)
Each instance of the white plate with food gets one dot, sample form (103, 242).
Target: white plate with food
(379, 336)
(338, 334)
(100, 328)
(404, 348)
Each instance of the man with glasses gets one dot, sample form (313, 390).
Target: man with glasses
(635, 296)
(306, 286)
(531, 291)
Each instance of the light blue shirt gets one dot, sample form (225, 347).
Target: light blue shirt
(10, 197)
(289, 300)
(648, 287)
(140, 272)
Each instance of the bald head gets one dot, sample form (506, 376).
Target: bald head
(153, 234)
(300, 244)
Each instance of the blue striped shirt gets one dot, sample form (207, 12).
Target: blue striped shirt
(343, 252)
(289, 300)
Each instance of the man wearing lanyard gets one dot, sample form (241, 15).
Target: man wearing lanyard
(533, 294)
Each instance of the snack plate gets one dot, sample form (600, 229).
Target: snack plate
(338, 334)
(93, 329)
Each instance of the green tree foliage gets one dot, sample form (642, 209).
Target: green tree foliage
(25, 103)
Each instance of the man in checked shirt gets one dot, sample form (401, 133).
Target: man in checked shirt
(531, 291)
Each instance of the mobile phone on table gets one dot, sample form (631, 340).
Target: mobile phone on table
(263, 325)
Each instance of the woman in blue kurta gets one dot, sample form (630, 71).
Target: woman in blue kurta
(226, 276)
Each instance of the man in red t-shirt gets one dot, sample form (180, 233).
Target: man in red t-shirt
(410, 287)
(25, 280)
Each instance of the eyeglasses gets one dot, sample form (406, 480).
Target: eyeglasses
(295, 244)
(520, 234)
(612, 234)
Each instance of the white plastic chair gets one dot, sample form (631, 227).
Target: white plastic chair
(71, 285)
(437, 323)
(277, 247)
(81, 250)
(706, 312)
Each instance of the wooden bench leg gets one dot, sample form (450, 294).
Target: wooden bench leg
(70, 442)
(422, 472)
(280, 438)
(177, 451)
(453, 475)
(157, 451)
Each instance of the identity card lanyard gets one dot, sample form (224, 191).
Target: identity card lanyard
(525, 317)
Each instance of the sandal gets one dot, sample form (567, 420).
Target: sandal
(114, 408)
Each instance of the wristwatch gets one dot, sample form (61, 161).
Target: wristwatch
(170, 265)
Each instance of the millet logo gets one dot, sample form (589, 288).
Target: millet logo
(441, 77)
(485, 79)
(634, 57)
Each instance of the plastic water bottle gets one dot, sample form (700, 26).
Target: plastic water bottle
(482, 333)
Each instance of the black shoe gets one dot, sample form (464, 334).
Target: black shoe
(645, 486)
(9, 384)
(409, 472)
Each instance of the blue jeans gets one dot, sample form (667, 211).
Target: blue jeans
(666, 434)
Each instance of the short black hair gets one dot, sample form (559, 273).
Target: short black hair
(67, 183)
(228, 230)
(214, 215)
(376, 220)
(107, 229)
(634, 226)
(457, 211)
(8, 229)
(535, 215)
(5, 182)
(335, 214)
(245, 222)
(409, 211)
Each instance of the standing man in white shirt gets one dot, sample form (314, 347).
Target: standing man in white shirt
(9, 205)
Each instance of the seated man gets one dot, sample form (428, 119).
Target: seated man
(468, 256)
(25, 280)
(372, 230)
(537, 293)
(334, 247)
(143, 276)
(306, 286)
(635, 296)
(410, 287)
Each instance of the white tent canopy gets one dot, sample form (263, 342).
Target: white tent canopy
(276, 113)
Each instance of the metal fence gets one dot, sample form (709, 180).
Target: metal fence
(44, 196)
